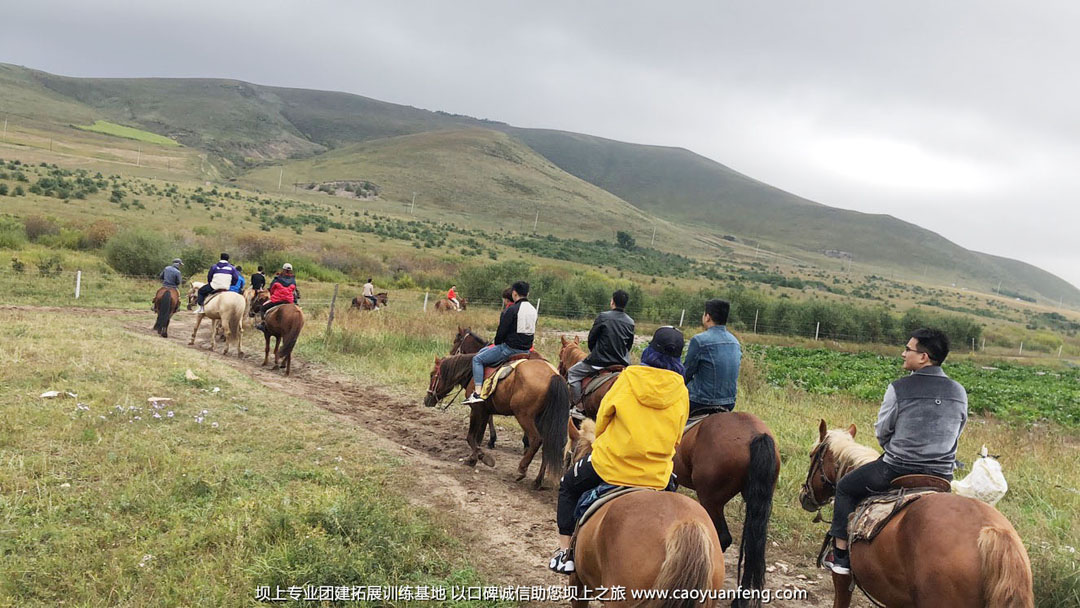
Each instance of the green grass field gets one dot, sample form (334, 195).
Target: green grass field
(109, 128)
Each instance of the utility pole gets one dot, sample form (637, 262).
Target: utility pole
(412, 206)
(138, 157)
(998, 290)
(5, 131)
(653, 239)
(279, 176)
(537, 220)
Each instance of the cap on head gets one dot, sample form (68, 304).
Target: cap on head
(177, 261)
(668, 340)
(286, 266)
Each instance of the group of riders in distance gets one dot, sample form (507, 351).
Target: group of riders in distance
(640, 431)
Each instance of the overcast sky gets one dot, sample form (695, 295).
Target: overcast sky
(961, 116)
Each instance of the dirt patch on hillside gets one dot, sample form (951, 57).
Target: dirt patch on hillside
(510, 526)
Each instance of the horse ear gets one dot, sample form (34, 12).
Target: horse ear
(563, 338)
(572, 430)
(577, 339)
(822, 428)
(851, 431)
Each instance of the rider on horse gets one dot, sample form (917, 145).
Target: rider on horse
(170, 276)
(610, 340)
(638, 427)
(238, 287)
(712, 362)
(918, 425)
(221, 277)
(517, 325)
(453, 297)
(369, 293)
(258, 280)
(283, 290)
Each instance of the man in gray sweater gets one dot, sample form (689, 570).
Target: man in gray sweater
(919, 426)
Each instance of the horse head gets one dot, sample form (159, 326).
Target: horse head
(260, 298)
(435, 385)
(382, 298)
(825, 467)
(568, 347)
(193, 294)
(459, 338)
(581, 440)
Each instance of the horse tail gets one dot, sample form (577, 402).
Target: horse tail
(234, 321)
(688, 564)
(164, 311)
(758, 496)
(551, 422)
(289, 341)
(1006, 569)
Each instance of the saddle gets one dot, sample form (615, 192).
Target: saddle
(591, 501)
(488, 371)
(874, 513)
(702, 414)
(594, 381)
(494, 375)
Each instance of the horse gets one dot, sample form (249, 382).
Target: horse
(941, 550)
(731, 453)
(283, 322)
(534, 394)
(365, 304)
(166, 302)
(466, 341)
(226, 310)
(249, 297)
(646, 540)
(444, 304)
(571, 354)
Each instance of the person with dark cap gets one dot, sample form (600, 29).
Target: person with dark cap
(170, 277)
(638, 427)
(221, 277)
(258, 280)
(610, 340)
(712, 362)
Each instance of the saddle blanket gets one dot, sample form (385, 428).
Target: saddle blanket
(875, 512)
(594, 383)
(487, 389)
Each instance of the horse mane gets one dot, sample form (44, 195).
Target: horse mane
(455, 368)
(476, 336)
(849, 454)
(587, 435)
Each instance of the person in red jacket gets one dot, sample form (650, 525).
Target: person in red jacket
(283, 290)
(452, 296)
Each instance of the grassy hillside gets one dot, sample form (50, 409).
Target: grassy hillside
(241, 125)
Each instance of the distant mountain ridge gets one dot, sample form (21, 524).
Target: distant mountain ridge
(250, 125)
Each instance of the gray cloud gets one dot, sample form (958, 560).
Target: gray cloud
(957, 116)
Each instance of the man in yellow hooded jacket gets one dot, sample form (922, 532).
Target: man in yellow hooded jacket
(638, 426)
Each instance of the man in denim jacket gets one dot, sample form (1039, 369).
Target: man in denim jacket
(712, 362)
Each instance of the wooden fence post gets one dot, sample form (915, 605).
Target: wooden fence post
(78, 283)
(817, 330)
(682, 317)
(330, 318)
(425, 300)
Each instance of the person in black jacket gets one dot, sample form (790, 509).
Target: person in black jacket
(610, 340)
(258, 280)
(517, 324)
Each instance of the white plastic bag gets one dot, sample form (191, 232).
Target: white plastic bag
(986, 482)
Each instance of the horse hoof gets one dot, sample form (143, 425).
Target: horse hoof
(470, 462)
(520, 476)
(538, 485)
(491, 444)
(488, 460)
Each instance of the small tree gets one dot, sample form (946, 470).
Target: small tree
(626, 240)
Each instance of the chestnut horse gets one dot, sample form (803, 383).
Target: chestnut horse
(166, 302)
(283, 322)
(646, 540)
(445, 305)
(942, 550)
(570, 354)
(731, 453)
(365, 304)
(534, 394)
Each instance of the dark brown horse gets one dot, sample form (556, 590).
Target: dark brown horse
(942, 550)
(646, 540)
(571, 354)
(731, 453)
(284, 323)
(166, 302)
(365, 304)
(445, 305)
(534, 394)
(466, 341)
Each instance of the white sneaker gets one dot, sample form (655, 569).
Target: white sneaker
(561, 562)
(200, 310)
(473, 398)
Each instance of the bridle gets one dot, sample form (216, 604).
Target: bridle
(818, 464)
(468, 334)
(434, 386)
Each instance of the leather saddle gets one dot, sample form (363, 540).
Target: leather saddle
(488, 371)
(599, 378)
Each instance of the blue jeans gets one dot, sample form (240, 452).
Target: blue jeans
(490, 357)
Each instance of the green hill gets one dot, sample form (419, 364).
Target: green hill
(339, 134)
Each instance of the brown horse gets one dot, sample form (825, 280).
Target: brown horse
(646, 540)
(571, 354)
(445, 305)
(731, 453)
(942, 550)
(365, 304)
(534, 394)
(284, 323)
(166, 302)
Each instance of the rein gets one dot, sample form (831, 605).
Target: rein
(434, 387)
(818, 464)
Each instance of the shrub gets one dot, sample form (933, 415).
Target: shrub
(99, 233)
(17, 265)
(12, 233)
(18, 191)
(138, 252)
(3, 189)
(37, 226)
(50, 266)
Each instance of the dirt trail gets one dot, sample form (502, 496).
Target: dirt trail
(511, 527)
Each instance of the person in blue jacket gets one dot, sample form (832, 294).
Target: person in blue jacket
(712, 362)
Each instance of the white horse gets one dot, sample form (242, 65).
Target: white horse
(226, 309)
